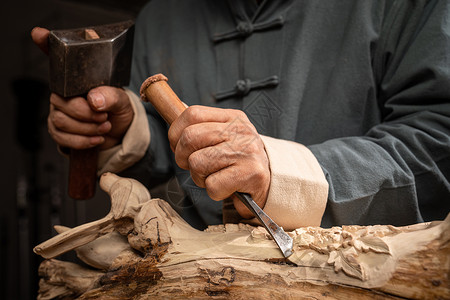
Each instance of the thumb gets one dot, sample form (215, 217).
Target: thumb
(117, 104)
(108, 99)
(40, 38)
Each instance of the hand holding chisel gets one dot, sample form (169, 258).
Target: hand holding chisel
(156, 90)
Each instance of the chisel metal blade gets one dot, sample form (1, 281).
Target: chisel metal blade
(281, 238)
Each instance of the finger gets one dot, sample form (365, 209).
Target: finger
(201, 114)
(107, 98)
(73, 141)
(77, 108)
(196, 137)
(245, 177)
(223, 184)
(207, 161)
(40, 38)
(219, 187)
(65, 123)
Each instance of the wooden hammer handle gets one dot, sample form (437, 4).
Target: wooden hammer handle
(156, 91)
(83, 173)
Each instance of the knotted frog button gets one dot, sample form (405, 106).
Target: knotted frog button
(243, 87)
(245, 28)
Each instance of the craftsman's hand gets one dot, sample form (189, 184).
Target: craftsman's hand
(101, 120)
(223, 152)
(80, 124)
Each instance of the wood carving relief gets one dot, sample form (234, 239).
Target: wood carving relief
(143, 249)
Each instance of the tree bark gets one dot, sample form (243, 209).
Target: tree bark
(163, 257)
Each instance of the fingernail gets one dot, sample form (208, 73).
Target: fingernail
(98, 100)
(104, 127)
(96, 140)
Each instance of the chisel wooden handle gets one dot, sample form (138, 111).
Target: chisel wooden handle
(156, 91)
(83, 173)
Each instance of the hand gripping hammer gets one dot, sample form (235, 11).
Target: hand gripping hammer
(80, 60)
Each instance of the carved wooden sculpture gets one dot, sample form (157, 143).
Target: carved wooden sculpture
(163, 257)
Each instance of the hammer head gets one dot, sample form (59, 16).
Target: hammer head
(84, 58)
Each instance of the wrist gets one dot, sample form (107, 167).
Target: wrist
(133, 144)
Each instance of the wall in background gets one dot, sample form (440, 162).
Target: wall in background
(34, 175)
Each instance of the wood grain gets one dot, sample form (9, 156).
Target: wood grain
(168, 259)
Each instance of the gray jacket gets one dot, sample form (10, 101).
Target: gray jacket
(364, 84)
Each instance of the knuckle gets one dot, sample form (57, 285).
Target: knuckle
(49, 122)
(260, 174)
(172, 136)
(212, 189)
(57, 119)
(193, 113)
(50, 126)
(55, 99)
(56, 137)
(181, 160)
(198, 179)
(81, 113)
(194, 162)
(239, 115)
(187, 137)
(252, 147)
(51, 132)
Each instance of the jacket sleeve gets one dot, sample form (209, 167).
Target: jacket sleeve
(398, 173)
(298, 189)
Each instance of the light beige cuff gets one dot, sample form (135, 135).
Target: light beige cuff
(134, 144)
(298, 190)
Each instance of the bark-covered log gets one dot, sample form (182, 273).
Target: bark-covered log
(170, 259)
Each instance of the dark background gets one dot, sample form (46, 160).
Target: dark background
(33, 174)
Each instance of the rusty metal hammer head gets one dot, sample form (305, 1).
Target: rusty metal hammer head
(84, 58)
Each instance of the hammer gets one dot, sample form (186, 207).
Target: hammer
(80, 60)
(156, 91)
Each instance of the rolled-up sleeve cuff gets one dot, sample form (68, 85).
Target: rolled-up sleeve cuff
(134, 144)
(298, 190)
